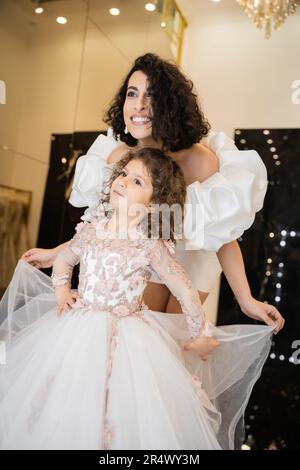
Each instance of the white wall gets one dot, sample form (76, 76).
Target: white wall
(243, 79)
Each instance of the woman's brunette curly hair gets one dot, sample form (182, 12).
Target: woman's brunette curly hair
(177, 117)
(169, 192)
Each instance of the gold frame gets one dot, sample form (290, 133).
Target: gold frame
(176, 35)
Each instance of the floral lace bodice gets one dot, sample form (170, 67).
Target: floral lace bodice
(114, 271)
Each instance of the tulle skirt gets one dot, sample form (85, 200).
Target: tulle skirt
(90, 380)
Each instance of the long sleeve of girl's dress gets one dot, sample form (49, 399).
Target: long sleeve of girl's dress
(176, 279)
(67, 259)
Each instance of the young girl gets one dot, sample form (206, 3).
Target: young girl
(102, 373)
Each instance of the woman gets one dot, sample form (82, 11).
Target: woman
(155, 106)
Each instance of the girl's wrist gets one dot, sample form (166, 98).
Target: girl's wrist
(205, 331)
(62, 290)
(61, 293)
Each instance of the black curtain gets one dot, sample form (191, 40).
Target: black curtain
(271, 251)
(59, 218)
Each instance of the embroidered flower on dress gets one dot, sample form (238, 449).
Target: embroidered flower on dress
(101, 233)
(135, 281)
(207, 329)
(111, 284)
(108, 435)
(121, 310)
(79, 227)
(140, 262)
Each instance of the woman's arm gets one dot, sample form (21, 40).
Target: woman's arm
(231, 260)
(60, 247)
(42, 257)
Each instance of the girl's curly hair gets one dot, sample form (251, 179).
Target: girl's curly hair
(169, 189)
(177, 117)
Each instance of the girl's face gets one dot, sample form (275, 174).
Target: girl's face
(132, 187)
(137, 109)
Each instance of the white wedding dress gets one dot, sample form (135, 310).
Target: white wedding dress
(110, 373)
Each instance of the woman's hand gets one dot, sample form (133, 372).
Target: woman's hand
(263, 312)
(40, 257)
(203, 345)
(66, 298)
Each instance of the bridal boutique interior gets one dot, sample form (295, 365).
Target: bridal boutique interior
(62, 62)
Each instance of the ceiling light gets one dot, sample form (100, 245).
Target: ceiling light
(150, 6)
(39, 10)
(61, 20)
(114, 11)
(269, 12)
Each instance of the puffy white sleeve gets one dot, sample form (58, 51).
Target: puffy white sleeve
(163, 262)
(91, 171)
(222, 207)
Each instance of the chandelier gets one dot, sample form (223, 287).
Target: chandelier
(266, 11)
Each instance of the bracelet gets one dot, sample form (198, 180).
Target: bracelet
(60, 279)
(207, 329)
(197, 331)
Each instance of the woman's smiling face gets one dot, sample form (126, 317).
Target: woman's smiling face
(137, 110)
